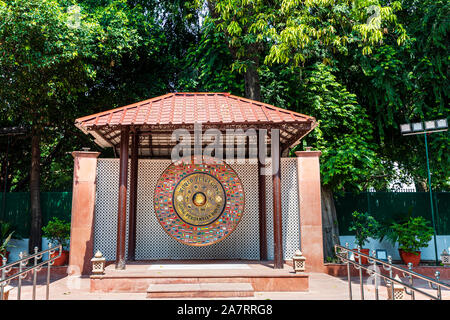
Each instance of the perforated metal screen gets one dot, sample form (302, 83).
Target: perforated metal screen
(153, 243)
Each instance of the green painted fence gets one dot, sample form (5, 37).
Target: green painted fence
(392, 205)
(17, 205)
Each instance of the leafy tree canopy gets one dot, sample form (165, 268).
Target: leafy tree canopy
(360, 67)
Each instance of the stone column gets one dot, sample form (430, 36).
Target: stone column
(308, 169)
(83, 202)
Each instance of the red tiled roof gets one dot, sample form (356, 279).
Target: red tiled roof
(188, 108)
(163, 114)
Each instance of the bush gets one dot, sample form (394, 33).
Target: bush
(412, 234)
(365, 226)
(6, 234)
(57, 232)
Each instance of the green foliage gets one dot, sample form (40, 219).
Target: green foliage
(408, 83)
(52, 71)
(344, 134)
(6, 234)
(365, 227)
(333, 259)
(280, 85)
(57, 232)
(47, 59)
(360, 67)
(241, 22)
(296, 30)
(411, 235)
(386, 230)
(308, 35)
(306, 26)
(207, 65)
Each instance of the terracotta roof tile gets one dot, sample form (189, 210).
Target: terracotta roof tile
(187, 108)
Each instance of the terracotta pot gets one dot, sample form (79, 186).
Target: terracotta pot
(363, 259)
(62, 260)
(407, 257)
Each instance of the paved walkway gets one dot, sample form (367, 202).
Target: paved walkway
(322, 287)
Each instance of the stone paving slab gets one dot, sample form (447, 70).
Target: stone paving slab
(200, 287)
(202, 290)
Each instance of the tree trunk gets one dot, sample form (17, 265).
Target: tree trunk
(329, 223)
(47, 161)
(252, 86)
(36, 214)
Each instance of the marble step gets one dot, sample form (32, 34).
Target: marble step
(200, 290)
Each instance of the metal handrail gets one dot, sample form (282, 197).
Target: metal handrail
(22, 273)
(435, 284)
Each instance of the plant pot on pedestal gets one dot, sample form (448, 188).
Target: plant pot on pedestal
(407, 257)
(58, 233)
(365, 226)
(363, 259)
(61, 260)
(6, 254)
(411, 235)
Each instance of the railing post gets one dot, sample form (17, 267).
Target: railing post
(19, 281)
(35, 273)
(374, 263)
(349, 274)
(390, 276)
(47, 289)
(361, 285)
(411, 281)
(4, 260)
(438, 275)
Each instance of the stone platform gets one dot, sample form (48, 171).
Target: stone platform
(197, 278)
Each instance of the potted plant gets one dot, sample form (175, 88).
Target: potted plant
(58, 233)
(411, 236)
(6, 233)
(365, 227)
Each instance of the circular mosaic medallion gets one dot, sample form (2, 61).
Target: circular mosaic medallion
(199, 203)
(199, 199)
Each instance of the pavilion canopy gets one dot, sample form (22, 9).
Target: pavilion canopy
(155, 119)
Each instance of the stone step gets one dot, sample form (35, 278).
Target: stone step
(200, 290)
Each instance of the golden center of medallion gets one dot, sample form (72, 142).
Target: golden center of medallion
(199, 199)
